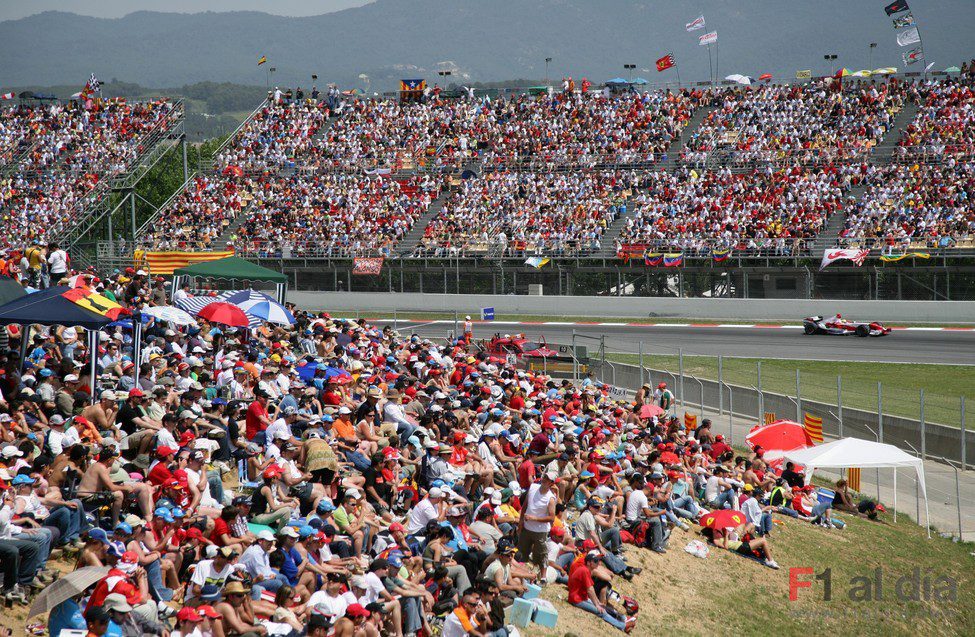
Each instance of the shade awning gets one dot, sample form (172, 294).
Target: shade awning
(232, 268)
(49, 307)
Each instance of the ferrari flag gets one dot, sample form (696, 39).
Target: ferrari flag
(896, 7)
(694, 25)
(857, 256)
(93, 302)
(665, 62)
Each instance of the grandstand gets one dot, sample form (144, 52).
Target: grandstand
(768, 176)
(64, 166)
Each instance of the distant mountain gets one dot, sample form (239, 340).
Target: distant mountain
(484, 40)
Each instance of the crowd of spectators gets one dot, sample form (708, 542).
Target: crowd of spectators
(824, 121)
(200, 213)
(516, 212)
(945, 122)
(914, 204)
(770, 209)
(53, 156)
(281, 134)
(335, 476)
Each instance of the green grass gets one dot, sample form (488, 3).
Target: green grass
(942, 384)
(726, 594)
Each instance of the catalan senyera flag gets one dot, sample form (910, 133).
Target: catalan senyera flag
(666, 62)
(690, 422)
(163, 263)
(853, 478)
(262, 60)
(770, 417)
(94, 302)
(814, 427)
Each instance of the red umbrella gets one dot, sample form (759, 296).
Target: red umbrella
(784, 435)
(224, 313)
(765, 76)
(723, 519)
(649, 411)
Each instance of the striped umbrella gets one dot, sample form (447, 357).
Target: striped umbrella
(267, 310)
(169, 314)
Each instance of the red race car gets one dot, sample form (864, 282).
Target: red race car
(839, 326)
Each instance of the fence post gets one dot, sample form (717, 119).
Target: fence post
(720, 386)
(964, 435)
(680, 366)
(731, 416)
(958, 501)
(880, 427)
(455, 312)
(839, 402)
(761, 396)
(917, 502)
(575, 360)
(924, 442)
(798, 397)
(641, 364)
(395, 321)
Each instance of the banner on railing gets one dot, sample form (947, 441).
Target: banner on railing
(853, 478)
(369, 266)
(894, 258)
(163, 263)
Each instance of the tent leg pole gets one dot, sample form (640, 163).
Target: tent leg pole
(895, 495)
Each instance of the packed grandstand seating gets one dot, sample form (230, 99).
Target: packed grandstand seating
(823, 121)
(944, 125)
(765, 208)
(346, 177)
(509, 212)
(54, 155)
(915, 204)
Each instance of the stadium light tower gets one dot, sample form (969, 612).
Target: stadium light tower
(831, 58)
(629, 70)
(873, 45)
(547, 62)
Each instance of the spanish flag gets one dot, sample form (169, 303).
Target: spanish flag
(262, 60)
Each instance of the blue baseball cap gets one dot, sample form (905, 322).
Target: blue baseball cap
(116, 548)
(45, 372)
(305, 531)
(22, 478)
(164, 514)
(124, 528)
(99, 535)
(325, 506)
(178, 512)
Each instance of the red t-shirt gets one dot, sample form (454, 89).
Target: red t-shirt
(526, 474)
(160, 474)
(115, 582)
(254, 424)
(220, 527)
(580, 579)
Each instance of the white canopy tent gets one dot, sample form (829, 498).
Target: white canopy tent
(854, 452)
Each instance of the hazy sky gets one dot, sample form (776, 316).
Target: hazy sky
(14, 9)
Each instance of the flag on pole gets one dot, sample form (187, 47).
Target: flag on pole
(906, 20)
(665, 62)
(814, 427)
(536, 262)
(804, 75)
(7, 96)
(908, 36)
(896, 7)
(914, 55)
(695, 24)
(94, 85)
(708, 38)
(262, 60)
(857, 256)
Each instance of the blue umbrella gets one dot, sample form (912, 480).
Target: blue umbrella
(270, 311)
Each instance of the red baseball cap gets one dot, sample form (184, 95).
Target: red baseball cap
(208, 611)
(396, 526)
(356, 610)
(164, 452)
(188, 614)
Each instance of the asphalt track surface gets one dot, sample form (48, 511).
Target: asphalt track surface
(915, 345)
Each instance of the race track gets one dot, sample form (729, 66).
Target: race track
(912, 345)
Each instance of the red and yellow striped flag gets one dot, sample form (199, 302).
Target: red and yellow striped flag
(814, 427)
(163, 263)
(853, 478)
(770, 417)
(690, 421)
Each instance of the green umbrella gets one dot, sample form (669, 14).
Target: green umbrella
(952, 69)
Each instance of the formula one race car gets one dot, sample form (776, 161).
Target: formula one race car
(838, 326)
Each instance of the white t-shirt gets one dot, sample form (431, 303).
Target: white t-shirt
(57, 262)
(536, 504)
(752, 510)
(452, 627)
(635, 504)
(712, 489)
(206, 499)
(374, 587)
(206, 573)
(331, 606)
(278, 430)
(55, 439)
(164, 438)
(420, 515)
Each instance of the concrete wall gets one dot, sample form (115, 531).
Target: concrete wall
(640, 307)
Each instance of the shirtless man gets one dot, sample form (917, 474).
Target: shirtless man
(98, 479)
(102, 414)
(351, 625)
